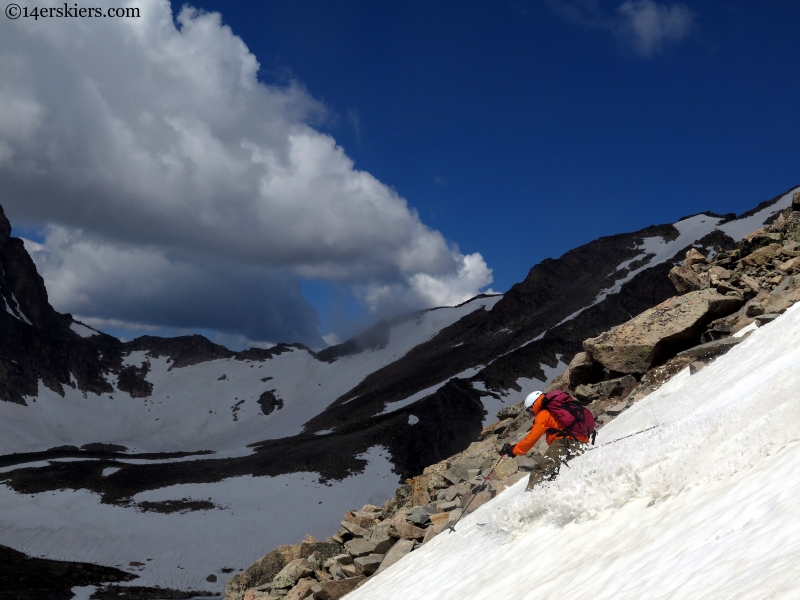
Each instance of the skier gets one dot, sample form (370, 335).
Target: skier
(567, 425)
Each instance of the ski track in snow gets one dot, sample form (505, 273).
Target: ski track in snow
(707, 505)
(256, 514)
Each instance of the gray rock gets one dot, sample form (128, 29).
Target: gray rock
(367, 565)
(583, 369)
(360, 547)
(398, 551)
(509, 412)
(383, 546)
(445, 505)
(291, 574)
(405, 530)
(767, 318)
(420, 515)
(604, 389)
(617, 408)
(754, 309)
(698, 365)
(457, 490)
(340, 559)
(333, 590)
(783, 285)
(711, 349)
(526, 463)
(354, 529)
(455, 474)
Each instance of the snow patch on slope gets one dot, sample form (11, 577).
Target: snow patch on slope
(83, 330)
(739, 228)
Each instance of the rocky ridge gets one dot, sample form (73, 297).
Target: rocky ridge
(720, 299)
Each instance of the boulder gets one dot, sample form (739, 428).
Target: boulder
(778, 303)
(790, 266)
(256, 594)
(367, 565)
(443, 506)
(583, 369)
(379, 532)
(506, 467)
(322, 552)
(341, 559)
(405, 530)
(420, 515)
(685, 280)
(763, 255)
(333, 590)
(796, 201)
(604, 389)
(758, 239)
(360, 547)
(398, 551)
(359, 518)
(419, 490)
(660, 332)
(382, 547)
(559, 382)
(262, 571)
(720, 272)
(694, 256)
(355, 529)
(764, 319)
(509, 412)
(457, 490)
(509, 481)
(291, 574)
(470, 505)
(301, 590)
(526, 463)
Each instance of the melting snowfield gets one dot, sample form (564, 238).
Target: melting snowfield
(180, 550)
(707, 505)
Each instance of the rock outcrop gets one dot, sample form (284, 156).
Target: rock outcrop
(660, 332)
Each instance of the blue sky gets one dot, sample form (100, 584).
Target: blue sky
(520, 134)
(518, 130)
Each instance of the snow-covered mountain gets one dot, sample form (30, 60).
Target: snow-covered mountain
(199, 459)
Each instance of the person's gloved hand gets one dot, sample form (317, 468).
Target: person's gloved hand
(507, 450)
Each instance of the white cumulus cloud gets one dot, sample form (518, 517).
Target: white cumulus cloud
(151, 142)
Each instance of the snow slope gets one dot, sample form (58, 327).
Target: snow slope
(191, 408)
(707, 505)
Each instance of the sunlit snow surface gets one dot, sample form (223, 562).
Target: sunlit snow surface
(705, 506)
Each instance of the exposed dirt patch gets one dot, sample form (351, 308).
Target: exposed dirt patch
(184, 505)
(269, 402)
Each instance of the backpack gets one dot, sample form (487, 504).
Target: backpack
(573, 418)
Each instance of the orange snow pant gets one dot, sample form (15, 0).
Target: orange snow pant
(561, 451)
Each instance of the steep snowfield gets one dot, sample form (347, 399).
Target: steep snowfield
(191, 408)
(707, 505)
(180, 550)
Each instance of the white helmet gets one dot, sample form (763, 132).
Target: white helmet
(532, 397)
